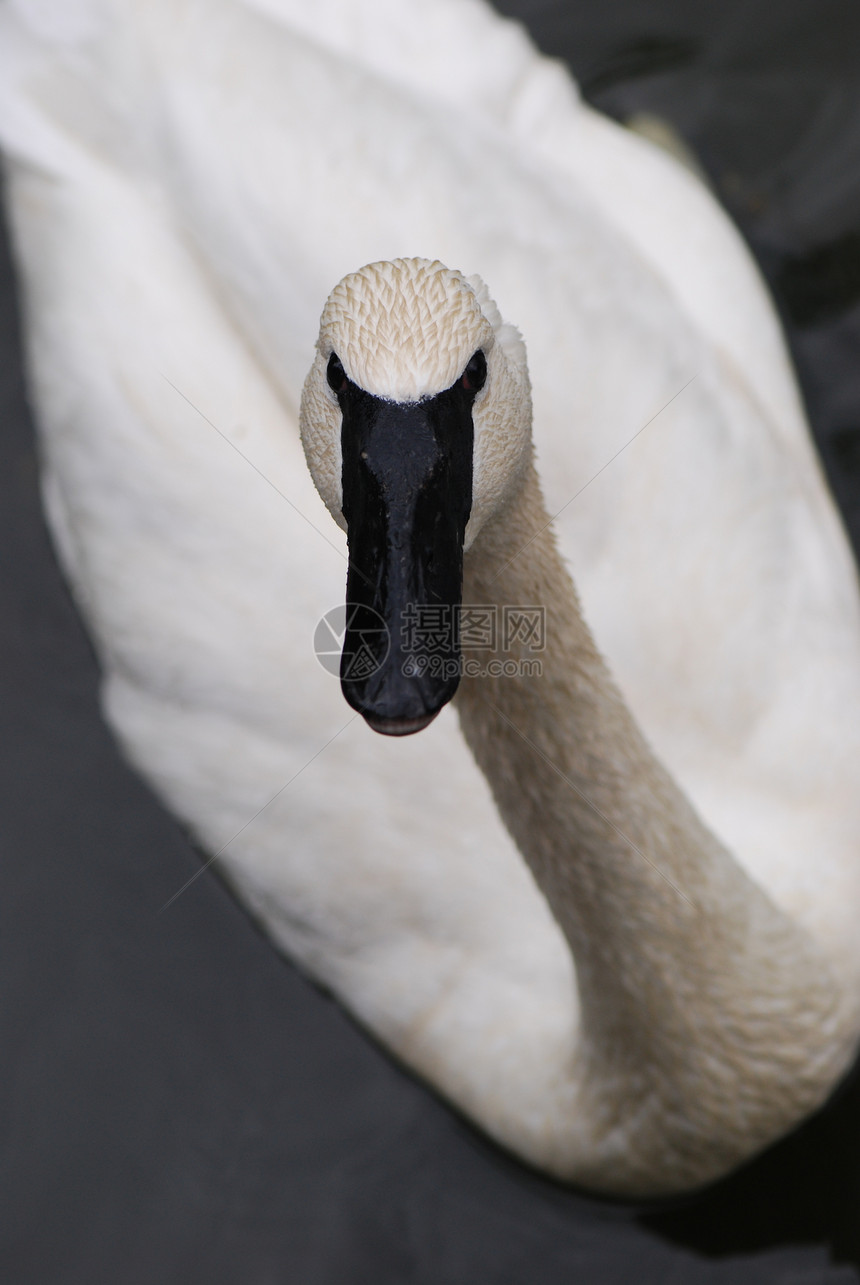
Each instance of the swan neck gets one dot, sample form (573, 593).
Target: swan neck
(684, 967)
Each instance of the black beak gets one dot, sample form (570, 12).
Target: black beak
(407, 494)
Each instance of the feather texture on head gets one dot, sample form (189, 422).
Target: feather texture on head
(405, 330)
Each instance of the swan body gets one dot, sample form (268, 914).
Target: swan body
(180, 214)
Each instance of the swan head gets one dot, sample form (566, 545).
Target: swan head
(416, 425)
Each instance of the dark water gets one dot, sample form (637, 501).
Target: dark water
(176, 1103)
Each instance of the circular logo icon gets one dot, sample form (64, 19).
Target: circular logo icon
(368, 644)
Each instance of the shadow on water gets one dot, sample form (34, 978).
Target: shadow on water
(822, 284)
(803, 1190)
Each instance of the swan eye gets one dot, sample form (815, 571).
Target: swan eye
(335, 374)
(474, 376)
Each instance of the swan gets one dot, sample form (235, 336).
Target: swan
(177, 225)
(705, 1014)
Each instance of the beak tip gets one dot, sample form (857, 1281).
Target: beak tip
(399, 726)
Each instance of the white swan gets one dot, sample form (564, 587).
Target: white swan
(176, 232)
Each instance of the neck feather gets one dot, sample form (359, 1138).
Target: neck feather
(693, 987)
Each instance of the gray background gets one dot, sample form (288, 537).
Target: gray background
(177, 1104)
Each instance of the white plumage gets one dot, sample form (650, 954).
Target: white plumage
(186, 182)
